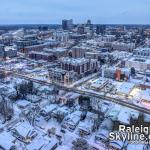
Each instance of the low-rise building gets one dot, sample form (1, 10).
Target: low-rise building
(23, 104)
(125, 88)
(40, 47)
(98, 83)
(142, 52)
(123, 46)
(10, 51)
(72, 120)
(137, 147)
(62, 76)
(24, 132)
(21, 44)
(124, 117)
(86, 126)
(117, 145)
(42, 56)
(119, 74)
(42, 143)
(145, 98)
(61, 112)
(6, 141)
(92, 55)
(57, 52)
(140, 64)
(107, 38)
(47, 110)
(69, 98)
(104, 130)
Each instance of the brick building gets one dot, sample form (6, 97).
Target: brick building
(79, 65)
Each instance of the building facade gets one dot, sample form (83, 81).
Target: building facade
(80, 65)
(67, 24)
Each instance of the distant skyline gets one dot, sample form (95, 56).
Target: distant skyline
(53, 11)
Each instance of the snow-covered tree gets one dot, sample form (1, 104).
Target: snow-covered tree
(80, 144)
(6, 107)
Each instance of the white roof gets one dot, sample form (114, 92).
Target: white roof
(23, 129)
(139, 60)
(91, 116)
(33, 98)
(71, 95)
(74, 61)
(117, 144)
(50, 108)
(107, 124)
(36, 144)
(77, 113)
(50, 145)
(73, 118)
(146, 118)
(142, 49)
(23, 103)
(125, 88)
(86, 125)
(63, 110)
(135, 147)
(47, 88)
(113, 112)
(124, 116)
(103, 133)
(6, 140)
(146, 95)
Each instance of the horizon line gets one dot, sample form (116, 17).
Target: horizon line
(73, 23)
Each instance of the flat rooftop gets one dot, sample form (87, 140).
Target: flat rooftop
(138, 59)
(74, 61)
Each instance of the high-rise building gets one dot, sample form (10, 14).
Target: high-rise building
(81, 29)
(1, 51)
(79, 65)
(67, 24)
(100, 29)
(89, 22)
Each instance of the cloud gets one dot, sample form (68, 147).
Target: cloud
(53, 11)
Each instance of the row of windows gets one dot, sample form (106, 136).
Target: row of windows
(142, 53)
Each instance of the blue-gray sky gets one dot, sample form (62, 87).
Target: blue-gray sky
(53, 11)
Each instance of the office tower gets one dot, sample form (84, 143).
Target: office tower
(88, 22)
(100, 29)
(67, 24)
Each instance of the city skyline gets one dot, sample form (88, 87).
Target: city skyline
(74, 75)
(53, 11)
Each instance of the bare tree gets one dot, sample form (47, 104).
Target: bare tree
(80, 144)
(32, 114)
(6, 107)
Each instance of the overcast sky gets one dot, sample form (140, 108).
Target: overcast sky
(53, 11)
